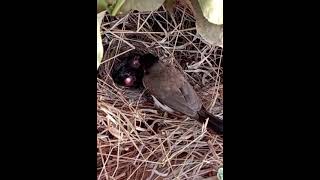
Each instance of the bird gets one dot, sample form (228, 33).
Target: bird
(128, 72)
(171, 91)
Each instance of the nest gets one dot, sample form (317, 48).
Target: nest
(135, 139)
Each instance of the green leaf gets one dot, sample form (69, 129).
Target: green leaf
(117, 7)
(212, 10)
(100, 17)
(107, 5)
(212, 33)
(220, 173)
(140, 5)
(101, 5)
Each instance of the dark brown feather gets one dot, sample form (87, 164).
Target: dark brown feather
(169, 87)
(214, 122)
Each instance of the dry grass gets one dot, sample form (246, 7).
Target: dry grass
(136, 140)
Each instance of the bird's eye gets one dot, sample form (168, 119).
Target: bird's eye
(135, 62)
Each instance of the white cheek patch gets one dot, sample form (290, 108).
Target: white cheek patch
(164, 107)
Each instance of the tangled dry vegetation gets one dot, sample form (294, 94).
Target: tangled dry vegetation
(136, 140)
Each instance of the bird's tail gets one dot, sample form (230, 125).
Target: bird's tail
(214, 123)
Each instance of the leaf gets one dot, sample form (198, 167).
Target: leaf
(212, 10)
(99, 39)
(220, 173)
(169, 5)
(106, 5)
(212, 33)
(99, 46)
(116, 7)
(100, 16)
(140, 5)
(101, 5)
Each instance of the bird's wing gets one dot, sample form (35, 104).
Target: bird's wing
(171, 89)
